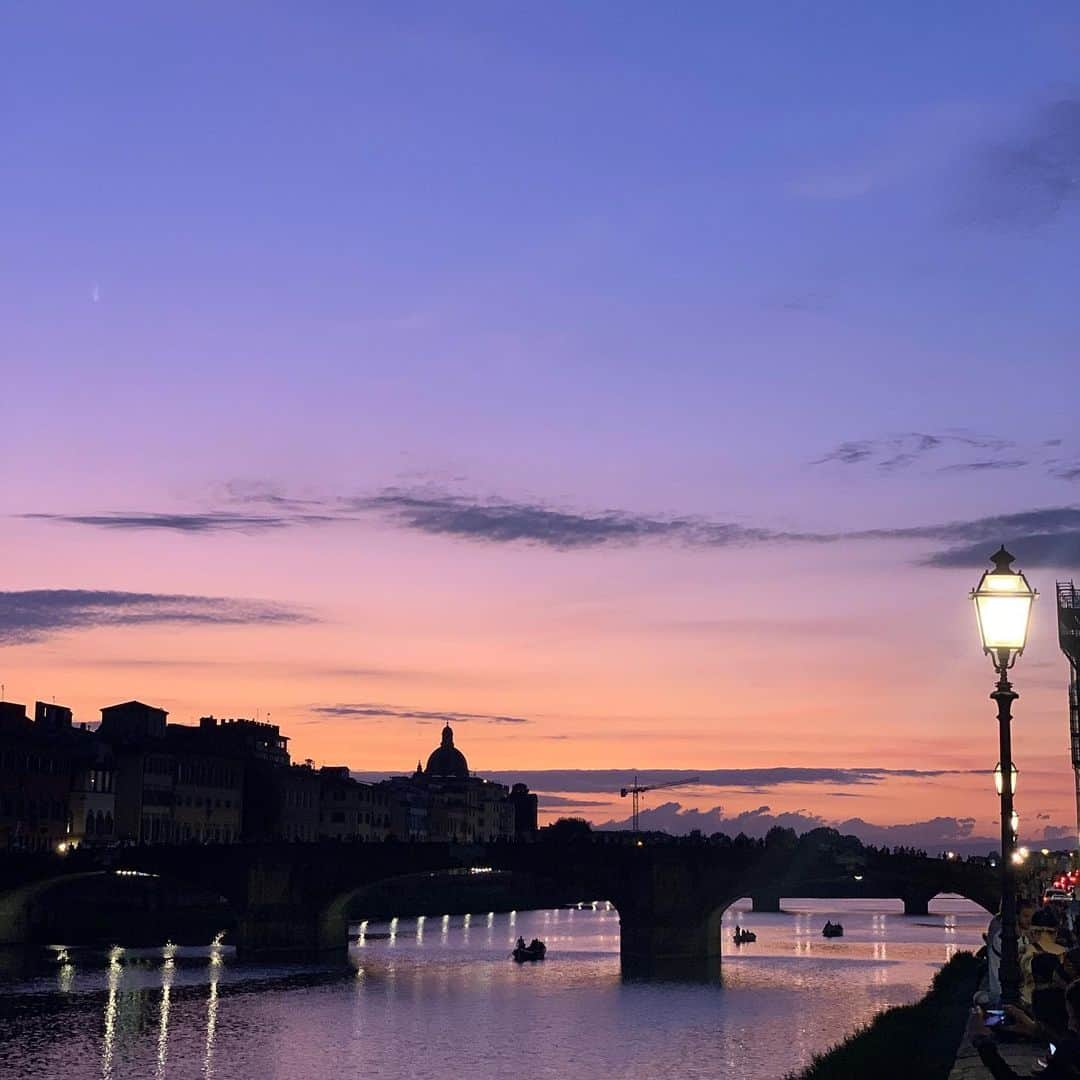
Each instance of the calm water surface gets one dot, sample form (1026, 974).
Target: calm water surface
(441, 998)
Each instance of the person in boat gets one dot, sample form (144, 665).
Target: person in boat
(738, 931)
(828, 925)
(520, 943)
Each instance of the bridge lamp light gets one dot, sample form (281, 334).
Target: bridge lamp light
(1003, 601)
(999, 779)
(1045, 851)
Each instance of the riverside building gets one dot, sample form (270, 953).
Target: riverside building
(443, 801)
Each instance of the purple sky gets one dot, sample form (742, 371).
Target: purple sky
(526, 361)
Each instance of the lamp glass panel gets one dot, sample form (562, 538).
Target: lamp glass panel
(1003, 604)
(999, 783)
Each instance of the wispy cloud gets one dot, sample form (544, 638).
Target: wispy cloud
(34, 614)
(985, 466)
(1031, 177)
(591, 781)
(494, 521)
(439, 513)
(1048, 536)
(891, 453)
(1055, 549)
(497, 520)
(214, 521)
(376, 711)
(548, 802)
(505, 521)
(1069, 470)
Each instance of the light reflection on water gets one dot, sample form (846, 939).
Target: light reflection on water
(181, 1012)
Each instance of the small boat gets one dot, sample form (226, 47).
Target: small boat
(535, 950)
(744, 937)
(832, 929)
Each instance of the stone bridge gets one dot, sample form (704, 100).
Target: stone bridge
(298, 899)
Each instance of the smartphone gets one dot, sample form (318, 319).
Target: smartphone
(993, 1017)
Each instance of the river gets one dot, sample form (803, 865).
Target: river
(440, 998)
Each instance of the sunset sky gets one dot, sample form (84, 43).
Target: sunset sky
(639, 386)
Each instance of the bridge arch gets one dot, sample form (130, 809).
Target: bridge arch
(984, 899)
(453, 890)
(111, 907)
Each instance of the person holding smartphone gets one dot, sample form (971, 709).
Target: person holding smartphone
(1062, 1064)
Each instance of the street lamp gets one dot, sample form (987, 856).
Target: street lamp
(999, 781)
(1003, 600)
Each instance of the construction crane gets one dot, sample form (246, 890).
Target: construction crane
(1068, 607)
(637, 790)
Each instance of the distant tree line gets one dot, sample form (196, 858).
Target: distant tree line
(577, 830)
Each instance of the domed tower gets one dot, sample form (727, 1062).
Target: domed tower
(447, 760)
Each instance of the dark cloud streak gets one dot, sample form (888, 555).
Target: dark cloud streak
(184, 523)
(376, 711)
(1045, 537)
(1030, 549)
(591, 781)
(35, 614)
(985, 466)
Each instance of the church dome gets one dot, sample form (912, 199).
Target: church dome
(447, 759)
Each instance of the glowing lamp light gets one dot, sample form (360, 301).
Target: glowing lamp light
(1046, 851)
(1014, 822)
(999, 779)
(1017, 858)
(1003, 602)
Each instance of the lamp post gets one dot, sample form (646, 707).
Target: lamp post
(1003, 602)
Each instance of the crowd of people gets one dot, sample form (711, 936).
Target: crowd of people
(1049, 1010)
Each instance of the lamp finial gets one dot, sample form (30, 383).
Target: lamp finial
(1003, 561)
